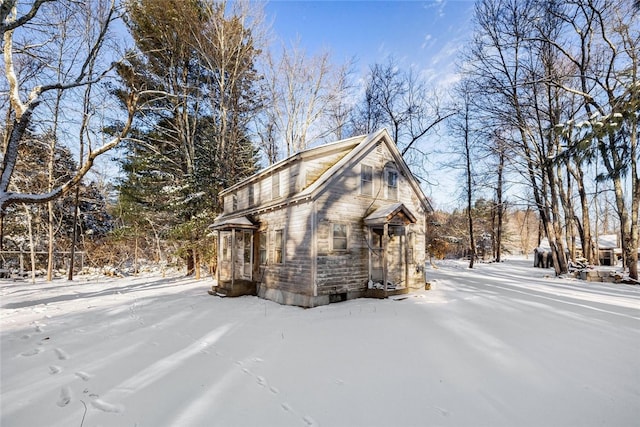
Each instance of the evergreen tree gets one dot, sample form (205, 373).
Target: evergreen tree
(192, 139)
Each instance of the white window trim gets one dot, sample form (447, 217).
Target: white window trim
(385, 177)
(251, 196)
(264, 234)
(226, 247)
(362, 166)
(331, 238)
(279, 187)
(282, 247)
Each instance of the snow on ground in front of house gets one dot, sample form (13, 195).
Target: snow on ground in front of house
(499, 345)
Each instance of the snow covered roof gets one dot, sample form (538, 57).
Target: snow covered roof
(607, 241)
(309, 152)
(366, 141)
(233, 222)
(354, 147)
(544, 245)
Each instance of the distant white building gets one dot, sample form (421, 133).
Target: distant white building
(609, 249)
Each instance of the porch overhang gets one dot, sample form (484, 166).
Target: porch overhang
(233, 223)
(395, 214)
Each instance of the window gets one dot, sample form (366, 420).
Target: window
(246, 255)
(391, 184)
(250, 195)
(262, 250)
(225, 248)
(339, 237)
(278, 247)
(366, 180)
(275, 185)
(234, 202)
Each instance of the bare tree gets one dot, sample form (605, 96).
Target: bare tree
(462, 129)
(509, 80)
(401, 101)
(606, 36)
(306, 97)
(228, 45)
(24, 102)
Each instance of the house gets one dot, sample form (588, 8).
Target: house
(331, 223)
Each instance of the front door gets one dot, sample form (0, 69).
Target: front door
(395, 256)
(387, 254)
(376, 255)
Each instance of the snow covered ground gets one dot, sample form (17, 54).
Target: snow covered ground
(500, 345)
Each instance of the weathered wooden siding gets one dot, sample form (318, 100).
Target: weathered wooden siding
(312, 269)
(294, 274)
(340, 272)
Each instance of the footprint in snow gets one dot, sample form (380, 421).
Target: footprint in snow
(309, 421)
(274, 390)
(61, 354)
(53, 369)
(31, 352)
(286, 407)
(442, 411)
(83, 376)
(106, 407)
(65, 397)
(261, 381)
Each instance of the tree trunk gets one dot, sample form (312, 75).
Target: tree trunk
(32, 249)
(74, 234)
(1, 239)
(50, 259)
(196, 262)
(135, 254)
(190, 262)
(467, 154)
(635, 202)
(585, 230)
(500, 206)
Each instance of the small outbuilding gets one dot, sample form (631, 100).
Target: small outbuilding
(609, 249)
(331, 223)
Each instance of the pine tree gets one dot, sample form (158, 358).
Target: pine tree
(192, 141)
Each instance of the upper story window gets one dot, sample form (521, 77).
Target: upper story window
(275, 185)
(234, 202)
(250, 196)
(391, 183)
(366, 180)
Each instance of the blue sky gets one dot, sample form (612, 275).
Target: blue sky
(427, 35)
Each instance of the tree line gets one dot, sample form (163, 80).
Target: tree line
(200, 99)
